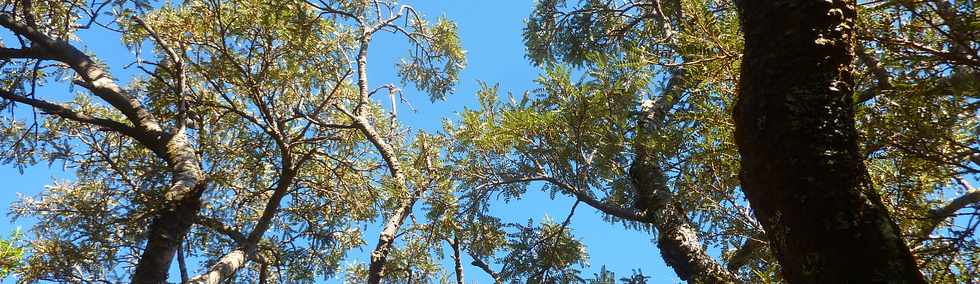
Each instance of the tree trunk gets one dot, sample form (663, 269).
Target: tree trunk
(166, 232)
(801, 169)
(677, 237)
(386, 240)
(174, 220)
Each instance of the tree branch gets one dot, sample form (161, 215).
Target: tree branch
(67, 113)
(247, 245)
(387, 236)
(743, 254)
(607, 208)
(938, 215)
(457, 258)
(92, 76)
(172, 222)
(880, 73)
(485, 267)
(25, 53)
(218, 226)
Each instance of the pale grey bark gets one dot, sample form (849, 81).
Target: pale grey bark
(172, 222)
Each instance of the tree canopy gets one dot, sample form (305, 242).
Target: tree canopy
(251, 146)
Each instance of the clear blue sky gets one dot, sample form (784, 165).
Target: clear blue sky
(491, 34)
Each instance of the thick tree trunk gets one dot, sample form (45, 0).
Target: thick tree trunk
(801, 169)
(166, 232)
(172, 222)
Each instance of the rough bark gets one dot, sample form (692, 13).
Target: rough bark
(801, 169)
(166, 232)
(174, 219)
(677, 236)
(457, 259)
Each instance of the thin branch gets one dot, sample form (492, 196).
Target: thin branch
(67, 113)
(485, 267)
(457, 258)
(218, 226)
(744, 253)
(938, 215)
(880, 73)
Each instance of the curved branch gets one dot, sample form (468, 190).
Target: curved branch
(70, 114)
(938, 215)
(173, 221)
(485, 267)
(92, 76)
(744, 253)
(231, 262)
(218, 226)
(387, 237)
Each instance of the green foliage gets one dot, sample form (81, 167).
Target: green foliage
(437, 59)
(608, 68)
(266, 89)
(11, 254)
(543, 254)
(917, 92)
(263, 87)
(919, 125)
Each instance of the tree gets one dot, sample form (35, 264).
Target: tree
(610, 139)
(802, 170)
(245, 141)
(11, 254)
(247, 122)
(916, 80)
(918, 134)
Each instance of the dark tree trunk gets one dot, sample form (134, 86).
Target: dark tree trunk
(166, 232)
(801, 169)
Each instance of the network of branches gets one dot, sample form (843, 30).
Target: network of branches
(241, 141)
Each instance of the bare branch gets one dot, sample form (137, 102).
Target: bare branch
(940, 214)
(485, 267)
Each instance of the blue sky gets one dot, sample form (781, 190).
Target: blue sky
(491, 33)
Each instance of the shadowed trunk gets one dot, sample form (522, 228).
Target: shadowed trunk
(166, 232)
(801, 169)
(677, 235)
